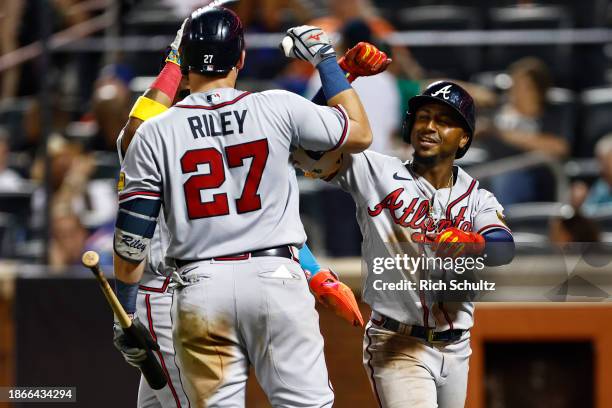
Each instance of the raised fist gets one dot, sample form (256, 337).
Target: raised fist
(307, 43)
(364, 59)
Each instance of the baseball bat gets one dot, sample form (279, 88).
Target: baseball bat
(150, 367)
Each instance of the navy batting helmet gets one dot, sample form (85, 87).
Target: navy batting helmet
(212, 42)
(447, 93)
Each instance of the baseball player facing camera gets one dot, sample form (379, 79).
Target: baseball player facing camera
(218, 166)
(416, 347)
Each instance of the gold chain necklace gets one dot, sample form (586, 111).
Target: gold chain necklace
(431, 200)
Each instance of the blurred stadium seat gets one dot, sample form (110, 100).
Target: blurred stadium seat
(456, 62)
(596, 106)
(562, 107)
(530, 17)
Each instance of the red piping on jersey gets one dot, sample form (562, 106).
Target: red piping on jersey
(372, 368)
(448, 320)
(495, 226)
(159, 354)
(344, 129)
(139, 193)
(461, 197)
(213, 107)
(156, 290)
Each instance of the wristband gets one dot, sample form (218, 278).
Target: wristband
(333, 79)
(168, 79)
(126, 293)
(319, 98)
(146, 108)
(174, 57)
(307, 260)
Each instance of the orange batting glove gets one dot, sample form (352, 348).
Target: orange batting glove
(364, 59)
(336, 295)
(452, 242)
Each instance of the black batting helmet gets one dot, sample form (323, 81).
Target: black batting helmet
(450, 94)
(212, 42)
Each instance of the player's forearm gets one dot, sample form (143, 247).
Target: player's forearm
(308, 262)
(338, 91)
(360, 136)
(154, 101)
(127, 272)
(133, 123)
(499, 248)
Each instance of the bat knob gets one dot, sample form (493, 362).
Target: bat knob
(90, 259)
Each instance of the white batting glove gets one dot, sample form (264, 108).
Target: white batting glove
(307, 43)
(173, 54)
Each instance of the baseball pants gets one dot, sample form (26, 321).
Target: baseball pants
(153, 309)
(231, 314)
(406, 372)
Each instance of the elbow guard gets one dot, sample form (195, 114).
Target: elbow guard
(134, 228)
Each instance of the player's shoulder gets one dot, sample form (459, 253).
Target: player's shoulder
(280, 95)
(483, 195)
(375, 160)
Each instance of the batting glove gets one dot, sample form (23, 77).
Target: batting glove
(307, 43)
(131, 352)
(454, 243)
(364, 59)
(336, 295)
(173, 54)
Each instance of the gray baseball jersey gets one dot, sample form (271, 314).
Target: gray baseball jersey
(219, 161)
(393, 208)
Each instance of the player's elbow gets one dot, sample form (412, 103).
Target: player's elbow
(359, 139)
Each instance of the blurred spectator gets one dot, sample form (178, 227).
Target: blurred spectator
(271, 15)
(68, 238)
(575, 228)
(10, 16)
(523, 124)
(10, 180)
(343, 11)
(599, 196)
(93, 201)
(111, 104)
(379, 93)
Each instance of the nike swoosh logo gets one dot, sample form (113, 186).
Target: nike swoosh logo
(397, 177)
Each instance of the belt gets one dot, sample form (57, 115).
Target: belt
(424, 333)
(280, 251)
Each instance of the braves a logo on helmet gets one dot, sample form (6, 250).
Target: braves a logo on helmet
(444, 91)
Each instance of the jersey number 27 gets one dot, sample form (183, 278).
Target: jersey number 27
(249, 199)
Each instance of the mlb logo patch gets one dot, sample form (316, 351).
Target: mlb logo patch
(213, 97)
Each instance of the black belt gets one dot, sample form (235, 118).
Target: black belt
(423, 333)
(280, 251)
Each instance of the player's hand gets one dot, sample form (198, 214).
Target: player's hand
(364, 59)
(307, 43)
(132, 353)
(454, 243)
(173, 53)
(336, 295)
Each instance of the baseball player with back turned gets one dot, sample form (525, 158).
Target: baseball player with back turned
(416, 347)
(218, 165)
(155, 293)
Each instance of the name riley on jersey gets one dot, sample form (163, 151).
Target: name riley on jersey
(205, 125)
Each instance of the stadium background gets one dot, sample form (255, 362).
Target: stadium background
(540, 72)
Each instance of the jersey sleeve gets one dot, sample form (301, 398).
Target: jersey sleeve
(318, 128)
(356, 174)
(489, 213)
(140, 171)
